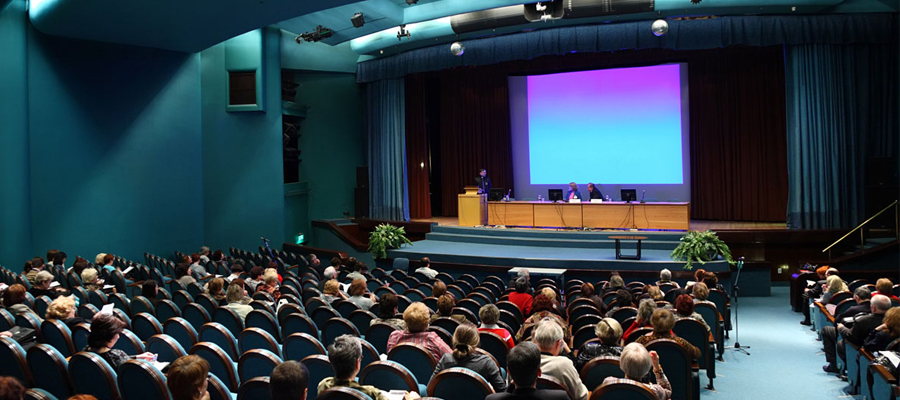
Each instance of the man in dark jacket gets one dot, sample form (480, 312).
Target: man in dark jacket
(524, 364)
(856, 334)
(862, 295)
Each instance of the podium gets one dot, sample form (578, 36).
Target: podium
(472, 207)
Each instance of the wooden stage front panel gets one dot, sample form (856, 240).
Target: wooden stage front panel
(514, 213)
(557, 214)
(607, 215)
(662, 216)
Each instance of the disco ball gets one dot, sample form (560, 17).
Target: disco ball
(457, 49)
(659, 27)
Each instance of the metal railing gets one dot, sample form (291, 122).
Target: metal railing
(862, 238)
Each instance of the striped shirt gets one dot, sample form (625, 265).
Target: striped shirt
(428, 340)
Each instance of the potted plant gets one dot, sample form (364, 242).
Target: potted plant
(384, 237)
(696, 246)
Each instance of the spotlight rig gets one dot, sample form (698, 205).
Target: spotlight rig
(316, 35)
(403, 33)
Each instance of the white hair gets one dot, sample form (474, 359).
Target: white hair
(329, 272)
(665, 275)
(547, 334)
(635, 361)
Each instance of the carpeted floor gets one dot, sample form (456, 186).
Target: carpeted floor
(785, 360)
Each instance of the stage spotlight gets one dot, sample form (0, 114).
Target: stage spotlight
(403, 32)
(357, 20)
(659, 27)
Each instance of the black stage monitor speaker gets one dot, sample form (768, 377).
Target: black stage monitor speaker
(554, 194)
(629, 194)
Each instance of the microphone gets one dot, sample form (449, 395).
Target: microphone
(263, 239)
(642, 195)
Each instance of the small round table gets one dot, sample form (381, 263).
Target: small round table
(619, 255)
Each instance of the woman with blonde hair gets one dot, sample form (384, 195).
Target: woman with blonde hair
(214, 288)
(465, 355)
(360, 295)
(609, 331)
(834, 284)
(63, 309)
(645, 311)
(234, 297)
(416, 317)
(270, 284)
(332, 292)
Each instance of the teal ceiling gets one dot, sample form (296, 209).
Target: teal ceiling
(193, 25)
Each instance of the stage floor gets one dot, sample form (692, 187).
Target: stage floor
(696, 224)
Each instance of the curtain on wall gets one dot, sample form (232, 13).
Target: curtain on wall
(841, 109)
(385, 132)
(418, 162)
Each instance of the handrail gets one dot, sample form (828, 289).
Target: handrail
(862, 239)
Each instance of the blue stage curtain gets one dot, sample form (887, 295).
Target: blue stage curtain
(841, 110)
(682, 35)
(386, 135)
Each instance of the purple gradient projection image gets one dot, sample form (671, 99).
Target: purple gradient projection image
(616, 126)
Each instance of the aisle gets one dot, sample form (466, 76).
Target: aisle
(785, 360)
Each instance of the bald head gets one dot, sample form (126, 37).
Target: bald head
(880, 304)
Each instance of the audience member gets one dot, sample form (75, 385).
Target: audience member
(712, 282)
(439, 289)
(345, 355)
(11, 388)
(270, 285)
(520, 297)
(623, 299)
(63, 309)
(150, 290)
(196, 267)
(464, 355)
(426, 269)
(665, 276)
(255, 280)
(236, 271)
(587, 292)
(37, 265)
(327, 275)
(204, 253)
(551, 294)
(59, 260)
(615, 283)
(542, 309)
(105, 330)
(862, 296)
(856, 334)
(387, 312)
(90, 280)
(445, 305)
(357, 272)
(636, 362)
(549, 337)
(884, 334)
(188, 378)
(41, 287)
(214, 288)
(314, 262)
(416, 317)
(645, 311)
(332, 292)
(523, 273)
(289, 381)
(183, 274)
(884, 287)
(815, 291)
(489, 315)
(834, 285)
(684, 308)
(524, 365)
(655, 293)
(609, 331)
(700, 292)
(14, 301)
(359, 294)
(78, 266)
(234, 298)
(663, 321)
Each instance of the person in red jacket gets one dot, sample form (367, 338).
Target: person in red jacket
(521, 298)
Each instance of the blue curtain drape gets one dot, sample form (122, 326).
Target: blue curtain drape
(386, 135)
(841, 110)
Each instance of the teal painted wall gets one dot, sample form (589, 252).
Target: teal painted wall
(242, 159)
(333, 141)
(15, 226)
(115, 148)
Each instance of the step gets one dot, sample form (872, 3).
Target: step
(602, 242)
(545, 233)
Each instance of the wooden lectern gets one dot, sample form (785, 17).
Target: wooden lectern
(472, 207)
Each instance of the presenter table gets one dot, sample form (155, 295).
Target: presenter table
(606, 215)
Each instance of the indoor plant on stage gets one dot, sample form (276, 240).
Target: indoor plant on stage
(696, 246)
(384, 237)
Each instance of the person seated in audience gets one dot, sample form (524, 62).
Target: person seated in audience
(42, 282)
(150, 290)
(623, 299)
(197, 268)
(814, 292)
(426, 269)
(489, 315)
(183, 274)
(684, 308)
(542, 310)
(360, 295)
(14, 301)
(654, 293)
(387, 312)
(63, 309)
(523, 273)
(524, 365)
(107, 263)
(314, 262)
(835, 285)
(188, 377)
(464, 355)
(78, 266)
(884, 287)
(521, 298)
(862, 296)
(26, 269)
(445, 305)
(255, 280)
(609, 331)
(698, 277)
(856, 334)
(204, 253)
(236, 271)
(98, 259)
(58, 260)
(417, 333)
(712, 282)
(328, 274)
(439, 289)
(273, 269)
(345, 355)
(884, 334)
(289, 381)
(105, 330)
(37, 265)
(357, 272)
(645, 311)
(215, 289)
(615, 283)
(665, 276)
(636, 362)
(700, 292)
(90, 280)
(551, 294)
(549, 337)
(11, 388)
(270, 285)
(333, 292)
(663, 321)
(587, 292)
(336, 263)
(218, 257)
(234, 297)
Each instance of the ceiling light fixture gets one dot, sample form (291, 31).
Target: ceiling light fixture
(403, 32)
(357, 20)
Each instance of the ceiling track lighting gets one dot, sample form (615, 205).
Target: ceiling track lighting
(403, 32)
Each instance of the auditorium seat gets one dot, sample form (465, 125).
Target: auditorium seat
(694, 332)
(140, 380)
(80, 335)
(256, 363)
(31, 321)
(220, 364)
(369, 353)
(287, 309)
(166, 309)
(299, 345)
(321, 315)
(218, 390)
(582, 335)
(182, 331)
(552, 383)
(206, 301)
(92, 375)
(196, 314)
(599, 368)
(165, 347)
(40, 305)
(495, 345)
(296, 323)
(50, 370)
(145, 326)
(217, 333)
(265, 321)
(361, 319)
(621, 313)
(319, 368)
(389, 375)
(58, 335)
(255, 338)
(446, 336)
(97, 298)
(623, 391)
(255, 389)
(336, 327)
(459, 384)
(229, 319)
(378, 335)
(6, 320)
(182, 298)
(681, 371)
(716, 324)
(418, 360)
(129, 343)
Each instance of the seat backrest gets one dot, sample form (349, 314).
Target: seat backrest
(336, 327)
(206, 301)
(624, 389)
(361, 319)
(552, 383)
(141, 304)
(257, 363)
(255, 338)
(676, 362)
(637, 333)
(710, 314)
(401, 263)
(145, 325)
(12, 361)
(140, 380)
(218, 334)
(378, 334)
(166, 309)
(621, 313)
(495, 345)
(129, 343)
(30, 320)
(80, 335)
(229, 319)
(319, 368)
(50, 370)
(218, 390)
(58, 335)
(87, 310)
(323, 314)
(580, 310)
(40, 305)
(694, 332)
(717, 297)
(265, 321)
(582, 335)
(255, 389)
(220, 363)
(296, 323)
(182, 331)
(195, 314)
(165, 347)
(6, 320)
(182, 297)
(459, 384)
(93, 375)
(419, 361)
(599, 368)
(300, 345)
